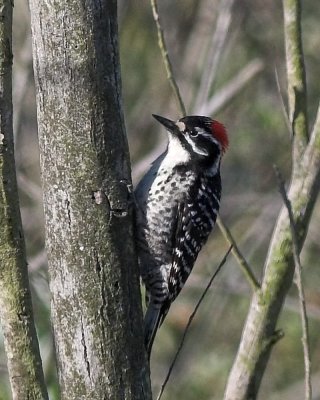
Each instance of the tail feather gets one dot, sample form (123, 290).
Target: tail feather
(151, 324)
(153, 319)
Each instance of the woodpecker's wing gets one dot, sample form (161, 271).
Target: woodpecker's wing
(195, 219)
(142, 190)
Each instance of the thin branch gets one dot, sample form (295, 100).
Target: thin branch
(299, 283)
(297, 87)
(283, 107)
(222, 262)
(233, 87)
(295, 390)
(238, 255)
(215, 52)
(165, 57)
(229, 238)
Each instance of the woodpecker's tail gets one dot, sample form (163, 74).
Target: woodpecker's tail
(152, 321)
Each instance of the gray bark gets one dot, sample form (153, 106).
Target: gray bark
(96, 307)
(20, 338)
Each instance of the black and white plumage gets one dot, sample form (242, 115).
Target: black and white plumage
(177, 204)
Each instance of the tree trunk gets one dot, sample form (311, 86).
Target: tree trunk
(259, 332)
(20, 339)
(96, 307)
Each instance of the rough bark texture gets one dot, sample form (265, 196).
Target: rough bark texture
(20, 339)
(96, 308)
(259, 332)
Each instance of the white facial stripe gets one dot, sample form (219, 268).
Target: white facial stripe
(206, 134)
(196, 149)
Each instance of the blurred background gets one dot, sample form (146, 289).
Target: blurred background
(228, 58)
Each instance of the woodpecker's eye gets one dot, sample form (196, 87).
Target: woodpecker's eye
(193, 133)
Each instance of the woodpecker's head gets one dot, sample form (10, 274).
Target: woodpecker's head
(202, 139)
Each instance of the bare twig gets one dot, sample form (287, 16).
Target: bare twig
(229, 238)
(297, 87)
(283, 106)
(238, 255)
(165, 56)
(233, 87)
(295, 390)
(299, 283)
(222, 262)
(215, 52)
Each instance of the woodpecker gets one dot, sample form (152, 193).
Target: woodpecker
(177, 203)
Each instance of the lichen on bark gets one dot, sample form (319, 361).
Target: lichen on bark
(96, 307)
(20, 339)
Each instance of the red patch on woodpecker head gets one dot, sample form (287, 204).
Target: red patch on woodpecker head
(219, 132)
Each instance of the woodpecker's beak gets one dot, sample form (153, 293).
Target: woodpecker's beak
(167, 123)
